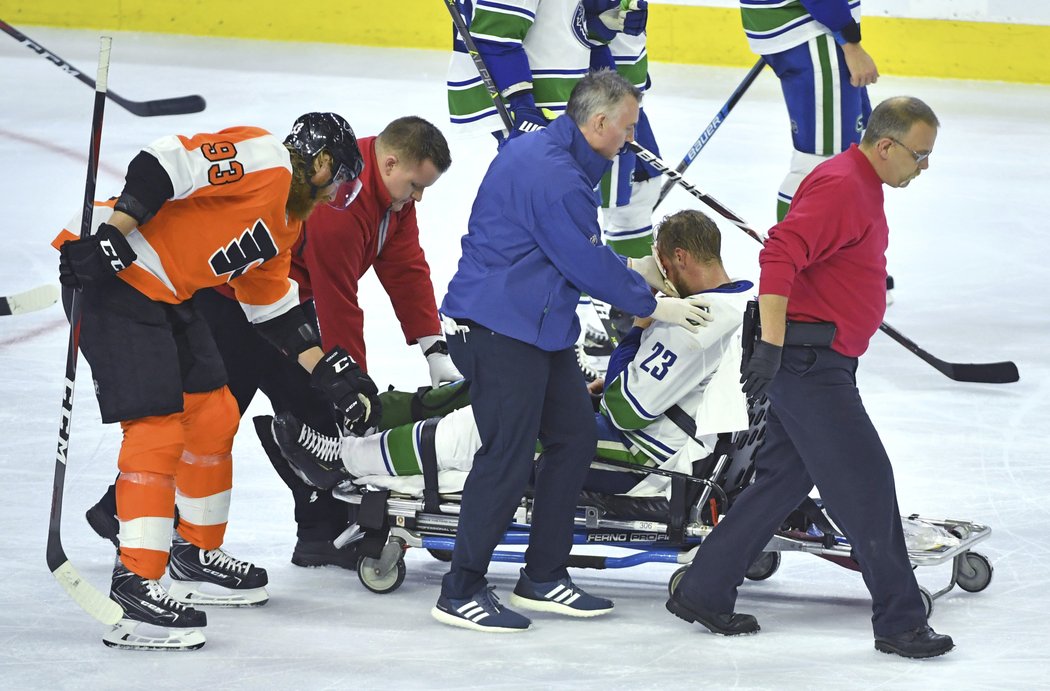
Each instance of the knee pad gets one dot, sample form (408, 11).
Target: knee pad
(151, 445)
(210, 421)
(629, 228)
(802, 164)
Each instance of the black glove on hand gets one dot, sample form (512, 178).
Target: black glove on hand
(348, 387)
(760, 369)
(94, 258)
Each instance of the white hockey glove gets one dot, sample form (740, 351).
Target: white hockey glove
(691, 312)
(435, 350)
(652, 271)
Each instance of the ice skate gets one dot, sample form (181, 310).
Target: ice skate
(313, 456)
(212, 577)
(153, 620)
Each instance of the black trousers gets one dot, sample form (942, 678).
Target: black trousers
(252, 365)
(520, 393)
(817, 433)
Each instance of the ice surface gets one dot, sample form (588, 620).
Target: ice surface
(968, 250)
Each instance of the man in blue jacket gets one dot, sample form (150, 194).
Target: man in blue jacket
(533, 244)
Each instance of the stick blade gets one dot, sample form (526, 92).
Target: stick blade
(30, 301)
(182, 105)
(92, 601)
(986, 373)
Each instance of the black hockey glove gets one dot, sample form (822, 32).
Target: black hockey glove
(348, 387)
(94, 258)
(760, 369)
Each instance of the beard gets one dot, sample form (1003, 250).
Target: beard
(302, 198)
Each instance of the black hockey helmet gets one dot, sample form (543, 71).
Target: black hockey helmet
(313, 133)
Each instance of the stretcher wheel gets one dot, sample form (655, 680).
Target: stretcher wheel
(441, 554)
(375, 580)
(676, 578)
(974, 572)
(927, 601)
(764, 566)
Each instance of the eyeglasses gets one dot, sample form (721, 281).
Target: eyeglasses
(919, 158)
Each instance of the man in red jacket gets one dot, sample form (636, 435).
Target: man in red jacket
(824, 270)
(379, 231)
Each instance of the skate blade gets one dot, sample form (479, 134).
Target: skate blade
(136, 635)
(197, 594)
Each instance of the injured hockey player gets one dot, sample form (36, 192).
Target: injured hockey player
(656, 367)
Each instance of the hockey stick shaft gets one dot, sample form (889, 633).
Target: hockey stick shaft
(165, 106)
(712, 127)
(91, 600)
(983, 373)
(486, 76)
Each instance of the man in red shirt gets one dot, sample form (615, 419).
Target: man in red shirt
(825, 263)
(379, 231)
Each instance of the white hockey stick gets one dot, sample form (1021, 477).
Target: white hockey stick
(29, 301)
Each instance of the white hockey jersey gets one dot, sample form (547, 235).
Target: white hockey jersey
(699, 372)
(554, 36)
(773, 27)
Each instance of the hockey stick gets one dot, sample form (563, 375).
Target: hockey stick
(486, 77)
(91, 600)
(29, 301)
(983, 373)
(162, 106)
(712, 127)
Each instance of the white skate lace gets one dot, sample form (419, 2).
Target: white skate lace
(596, 337)
(324, 448)
(218, 558)
(582, 359)
(158, 594)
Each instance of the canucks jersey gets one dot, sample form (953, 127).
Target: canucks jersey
(697, 371)
(553, 36)
(773, 26)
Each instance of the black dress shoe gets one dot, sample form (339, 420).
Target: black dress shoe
(731, 624)
(324, 553)
(917, 643)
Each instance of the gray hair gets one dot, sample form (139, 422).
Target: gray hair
(601, 91)
(894, 117)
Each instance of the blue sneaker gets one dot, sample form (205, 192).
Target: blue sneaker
(482, 612)
(560, 596)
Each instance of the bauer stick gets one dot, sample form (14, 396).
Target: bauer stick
(91, 600)
(984, 373)
(712, 127)
(180, 105)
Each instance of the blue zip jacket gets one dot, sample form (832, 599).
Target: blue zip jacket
(533, 243)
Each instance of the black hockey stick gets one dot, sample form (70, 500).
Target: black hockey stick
(712, 127)
(983, 373)
(162, 106)
(93, 601)
(486, 77)
(30, 300)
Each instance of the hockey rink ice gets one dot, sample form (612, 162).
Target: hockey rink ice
(968, 249)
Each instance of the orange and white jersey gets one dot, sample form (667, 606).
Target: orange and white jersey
(225, 223)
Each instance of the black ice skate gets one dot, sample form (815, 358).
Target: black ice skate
(212, 577)
(152, 619)
(313, 456)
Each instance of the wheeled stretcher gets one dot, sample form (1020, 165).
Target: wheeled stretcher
(654, 529)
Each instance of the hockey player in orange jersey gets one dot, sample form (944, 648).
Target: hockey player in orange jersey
(198, 212)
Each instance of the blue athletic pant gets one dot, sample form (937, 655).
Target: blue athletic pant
(520, 393)
(827, 113)
(817, 432)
